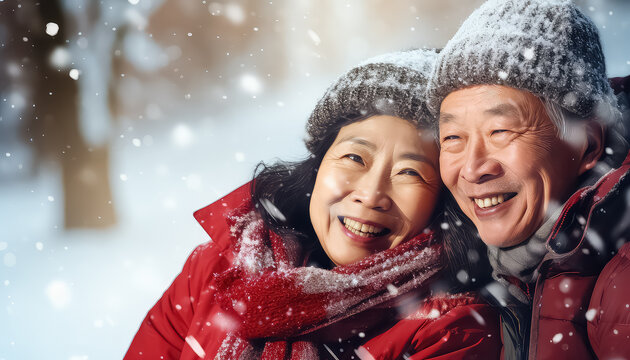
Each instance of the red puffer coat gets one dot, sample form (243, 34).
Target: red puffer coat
(186, 322)
(581, 300)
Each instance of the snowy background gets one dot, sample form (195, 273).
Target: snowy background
(182, 98)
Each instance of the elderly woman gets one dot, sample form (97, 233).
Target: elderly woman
(343, 255)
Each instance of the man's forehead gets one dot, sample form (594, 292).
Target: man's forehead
(489, 101)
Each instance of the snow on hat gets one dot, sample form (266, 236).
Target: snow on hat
(548, 47)
(393, 84)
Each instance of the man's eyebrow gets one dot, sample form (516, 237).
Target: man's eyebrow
(446, 117)
(508, 110)
(359, 141)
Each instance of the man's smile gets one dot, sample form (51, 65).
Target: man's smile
(487, 201)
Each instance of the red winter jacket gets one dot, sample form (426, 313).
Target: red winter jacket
(183, 323)
(581, 301)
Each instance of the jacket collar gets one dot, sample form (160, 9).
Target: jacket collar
(569, 231)
(214, 217)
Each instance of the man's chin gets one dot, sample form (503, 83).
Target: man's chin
(500, 240)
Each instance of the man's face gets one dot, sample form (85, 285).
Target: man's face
(503, 161)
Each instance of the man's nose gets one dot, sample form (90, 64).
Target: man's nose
(479, 164)
(372, 190)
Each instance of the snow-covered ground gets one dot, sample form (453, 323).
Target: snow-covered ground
(82, 294)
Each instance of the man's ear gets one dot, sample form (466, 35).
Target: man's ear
(594, 147)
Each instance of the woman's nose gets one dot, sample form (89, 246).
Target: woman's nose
(372, 191)
(479, 165)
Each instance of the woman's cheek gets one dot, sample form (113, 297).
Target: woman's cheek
(334, 182)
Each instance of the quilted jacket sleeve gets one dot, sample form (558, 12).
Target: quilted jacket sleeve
(466, 332)
(609, 309)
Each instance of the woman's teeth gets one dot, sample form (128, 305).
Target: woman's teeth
(490, 201)
(362, 229)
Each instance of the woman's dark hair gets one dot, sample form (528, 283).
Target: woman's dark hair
(281, 193)
(464, 251)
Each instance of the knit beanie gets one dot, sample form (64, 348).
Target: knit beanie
(392, 84)
(547, 47)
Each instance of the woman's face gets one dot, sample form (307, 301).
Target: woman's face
(375, 188)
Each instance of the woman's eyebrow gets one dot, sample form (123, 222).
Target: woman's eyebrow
(359, 141)
(416, 157)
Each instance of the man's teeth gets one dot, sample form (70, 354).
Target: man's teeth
(360, 228)
(489, 201)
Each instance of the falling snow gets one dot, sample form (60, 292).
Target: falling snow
(59, 293)
(9, 259)
(52, 29)
(462, 276)
(251, 83)
(182, 135)
(74, 74)
(557, 338)
(392, 289)
(239, 156)
(363, 354)
(314, 37)
(273, 210)
(195, 346)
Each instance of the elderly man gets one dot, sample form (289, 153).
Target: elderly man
(530, 132)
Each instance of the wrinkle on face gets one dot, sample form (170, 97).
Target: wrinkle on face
(508, 133)
(382, 172)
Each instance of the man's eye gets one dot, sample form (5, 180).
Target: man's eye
(355, 158)
(450, 137)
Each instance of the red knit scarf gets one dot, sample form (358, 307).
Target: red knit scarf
(274, 301)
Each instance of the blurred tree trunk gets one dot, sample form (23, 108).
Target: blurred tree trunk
(85, 170)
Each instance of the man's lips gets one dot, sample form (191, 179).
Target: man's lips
(363, 228)
(487, 201)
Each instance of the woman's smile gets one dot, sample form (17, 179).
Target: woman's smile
(376, 187)
(363, 228)
(364, 233)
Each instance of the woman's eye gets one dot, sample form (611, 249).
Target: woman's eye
(355, 158)
(409, 172)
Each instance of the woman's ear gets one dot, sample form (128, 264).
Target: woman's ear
(594, 147)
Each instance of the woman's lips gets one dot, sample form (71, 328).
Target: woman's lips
(361, 230)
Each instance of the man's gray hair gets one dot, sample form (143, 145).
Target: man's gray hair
(615, 144)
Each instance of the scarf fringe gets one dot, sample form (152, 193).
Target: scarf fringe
(276, 301)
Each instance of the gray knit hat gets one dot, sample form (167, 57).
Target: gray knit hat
(393, 84)
(548, 47)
